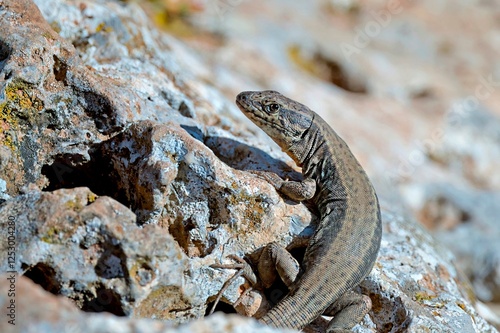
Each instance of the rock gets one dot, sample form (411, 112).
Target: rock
(104, 262)
(90, 250)
(45, 89)
(179, 184)
(416, 287)
(142, 167)
(169, 176)
(470, 145)
(466, 221)
(48, 86)
(461, 208)
(58, 314)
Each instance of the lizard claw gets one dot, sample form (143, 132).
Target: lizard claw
(244, 269)
(269, 177)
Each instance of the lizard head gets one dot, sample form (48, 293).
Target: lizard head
(283, 119)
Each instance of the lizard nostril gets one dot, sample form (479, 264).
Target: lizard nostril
(243, 97)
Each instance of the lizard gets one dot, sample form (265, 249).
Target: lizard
(345, 244)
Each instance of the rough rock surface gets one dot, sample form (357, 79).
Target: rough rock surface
(461, 208)
(417, 105)
(90, 250)
(142, 165)
(461, 219)
(415, 287)
(49, 314)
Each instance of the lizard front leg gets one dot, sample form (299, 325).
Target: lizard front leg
(275, 259)
(295, 190)
(243, 269)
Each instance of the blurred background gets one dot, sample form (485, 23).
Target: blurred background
(412, 86)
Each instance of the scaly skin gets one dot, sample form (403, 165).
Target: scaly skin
(344, 248)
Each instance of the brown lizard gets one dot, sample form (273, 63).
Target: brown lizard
(344, 247)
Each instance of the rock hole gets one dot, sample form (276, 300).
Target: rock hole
(180, 231)
(45, 276)
(221, 307)
(67, 171)
(176, 102)
(336, 74)
(388, 312)
(440, 213)
(144, 274)
(74, 170)
(60, 69)
(50, 117)
(101, 110)
(185, 110)
(5, 52)
(111, 264)
(106, 300)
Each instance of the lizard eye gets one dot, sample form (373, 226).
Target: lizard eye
(274, 107)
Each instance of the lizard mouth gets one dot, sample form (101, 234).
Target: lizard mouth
(240, 104)
(247, 107)
(255, 114)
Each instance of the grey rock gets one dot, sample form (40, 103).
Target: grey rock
(466, 220)
(470, 144)
(110, 106)
(91, 250)
(49, 313)
(416, 287)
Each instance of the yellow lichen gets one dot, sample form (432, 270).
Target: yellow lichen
(91, 197)
(172, 16)
(74, 205)
(55, 26)
(423, 296)
(51, 235)
(20, 106)
(307, 64)
(102, 27)
(7, 123)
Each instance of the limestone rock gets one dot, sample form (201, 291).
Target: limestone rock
(470, 144)
(91, 250)
(103, 261)
(142, 167)
(415, 285)
(48, 313)
(462, 218)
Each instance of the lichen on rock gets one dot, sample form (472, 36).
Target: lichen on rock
(126, 171)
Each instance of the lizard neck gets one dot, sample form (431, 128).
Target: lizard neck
(326, 158)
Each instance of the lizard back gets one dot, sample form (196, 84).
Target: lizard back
(344, 247)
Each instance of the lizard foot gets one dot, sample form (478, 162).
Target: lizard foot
(268, 176)
(347, 311)
(244, 269)
(295, 190)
